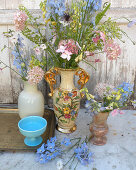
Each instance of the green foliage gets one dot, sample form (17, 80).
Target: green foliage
(100, 15)
(111, 29)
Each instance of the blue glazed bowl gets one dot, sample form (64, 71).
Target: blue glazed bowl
(32, 127)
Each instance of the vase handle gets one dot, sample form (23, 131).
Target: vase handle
(83, 78)
(50, 78)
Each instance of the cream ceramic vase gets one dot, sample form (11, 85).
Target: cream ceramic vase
(66, 98)
(30, 101)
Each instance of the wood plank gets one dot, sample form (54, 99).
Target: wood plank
(31, 4)
(5, 76)
(122, 3)
(2, 4)
(12, 4)
(7, 16)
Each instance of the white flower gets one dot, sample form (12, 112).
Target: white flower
(43, 46)
(61, 49)
(66, 55)
(59, 164)
(64, 23)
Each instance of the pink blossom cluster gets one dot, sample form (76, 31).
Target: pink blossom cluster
(35, 75)
(20, 19)
(112, 49)
(100, 89)
(99, 35)
(116, 111)
(67, 48)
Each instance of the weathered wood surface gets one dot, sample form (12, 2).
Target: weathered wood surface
(110, 72)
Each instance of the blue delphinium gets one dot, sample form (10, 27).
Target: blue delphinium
(95, 4)
(55, 7)
(66, 142)
(51, 150)
(83, 155)
(20, 62)
(128, 89)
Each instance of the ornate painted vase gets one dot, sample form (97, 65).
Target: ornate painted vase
(30, 101)
(99, 128)
(66, 98)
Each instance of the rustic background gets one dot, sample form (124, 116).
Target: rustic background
(116, 72)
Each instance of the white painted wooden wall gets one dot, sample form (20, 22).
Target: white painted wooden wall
(111, 72)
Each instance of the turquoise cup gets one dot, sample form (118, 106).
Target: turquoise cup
(32, 127)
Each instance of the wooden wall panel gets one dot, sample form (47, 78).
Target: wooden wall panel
(31, 4)
(12, 4)
(108, 72)
(5, 75)
(116, 72)
(2, 4)
(122, 3)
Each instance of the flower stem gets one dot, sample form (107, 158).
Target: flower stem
(69, 160)
(89, 64)
(13, 70)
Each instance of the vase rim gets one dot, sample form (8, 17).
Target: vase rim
(68, 69)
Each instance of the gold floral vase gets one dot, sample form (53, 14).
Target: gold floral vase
(66, 98)
(99, 128)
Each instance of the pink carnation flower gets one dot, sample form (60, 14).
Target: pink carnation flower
(20, 19)
(35, 75)
(112, 49)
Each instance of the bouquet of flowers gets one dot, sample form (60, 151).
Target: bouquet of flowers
(76, 32)
(29, 68)
(108, 98)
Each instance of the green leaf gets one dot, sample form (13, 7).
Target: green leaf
(57, 99)
(59, 109)
(100, 15)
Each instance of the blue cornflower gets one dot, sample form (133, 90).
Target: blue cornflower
(66, 142)
(41, 149)
(83, 154)
(51, 146)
